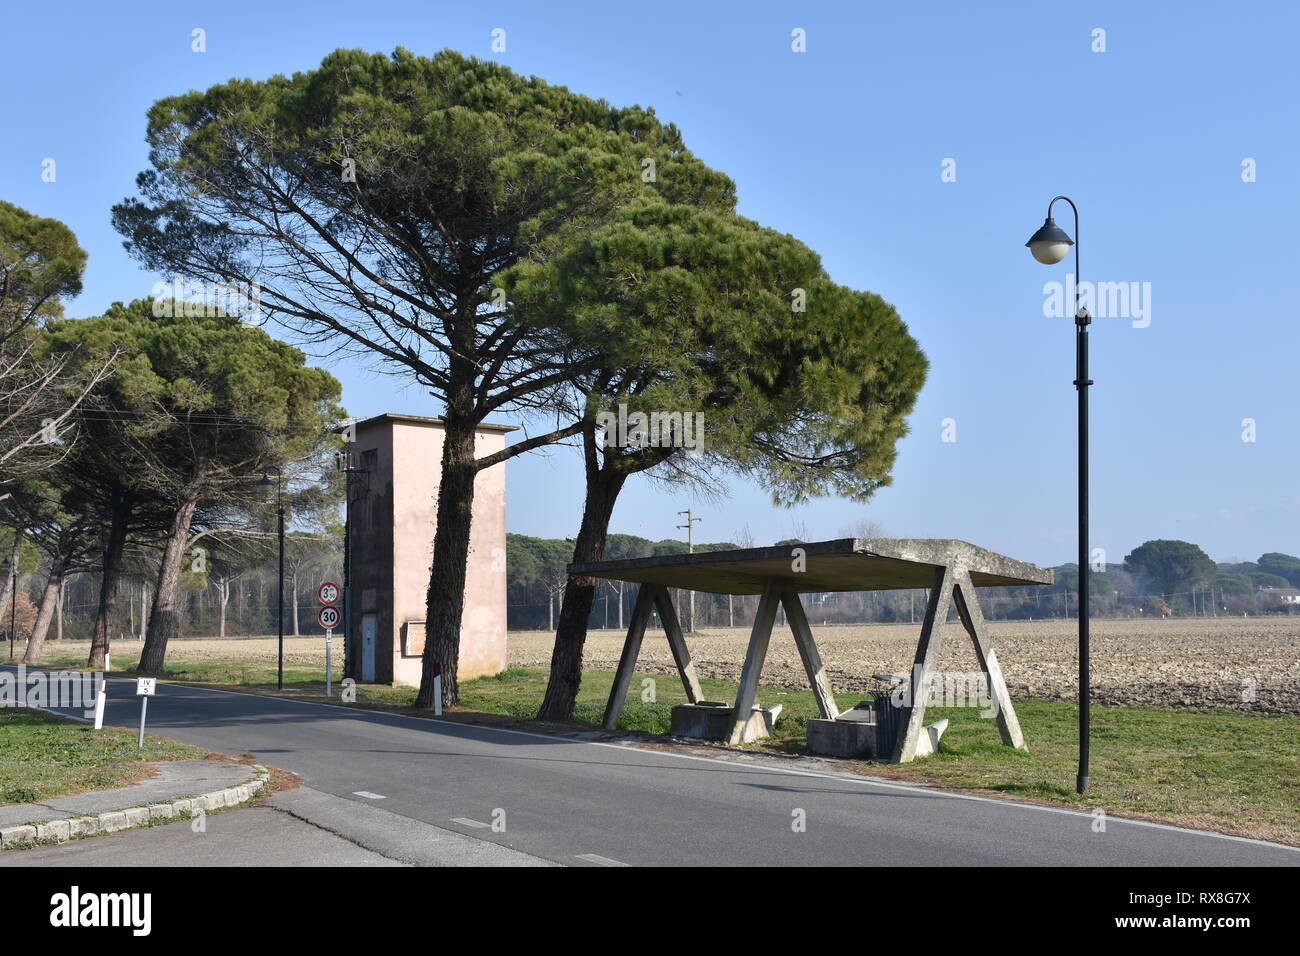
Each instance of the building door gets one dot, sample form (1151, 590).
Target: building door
(369, 626)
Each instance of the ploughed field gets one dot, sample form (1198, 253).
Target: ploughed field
(1247, 664)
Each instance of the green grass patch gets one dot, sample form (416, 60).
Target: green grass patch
(44, 756)
(126, 656)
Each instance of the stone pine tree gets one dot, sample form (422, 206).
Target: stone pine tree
(66, 537)
(375, 202)
(40, 267)
(801, 385)
(1171, 566)
(203, 406)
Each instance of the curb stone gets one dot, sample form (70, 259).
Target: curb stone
(112, 821)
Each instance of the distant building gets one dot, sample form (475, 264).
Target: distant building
(1280, 595)
(394, 508)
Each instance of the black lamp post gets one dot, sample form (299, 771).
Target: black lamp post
(1049, 245)
(266, 484)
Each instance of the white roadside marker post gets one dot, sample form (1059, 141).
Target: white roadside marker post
(144, 688)
(100, 699)
(437, 690)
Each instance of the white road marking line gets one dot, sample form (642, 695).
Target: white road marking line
(599, 860)
(466, 822)
(368, 795)
(440, 727)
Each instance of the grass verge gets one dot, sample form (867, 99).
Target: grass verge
(44, 756)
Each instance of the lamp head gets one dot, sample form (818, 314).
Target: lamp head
(1050, 244)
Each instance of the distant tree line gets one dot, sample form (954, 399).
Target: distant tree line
(1159, 579)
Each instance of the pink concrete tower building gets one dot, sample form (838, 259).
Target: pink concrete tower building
(393, 510)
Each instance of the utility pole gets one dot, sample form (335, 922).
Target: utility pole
(690, 549)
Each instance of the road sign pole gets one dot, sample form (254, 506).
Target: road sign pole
(144, 689)
(328, 617)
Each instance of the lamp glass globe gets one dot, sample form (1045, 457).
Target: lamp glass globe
(1049, 253)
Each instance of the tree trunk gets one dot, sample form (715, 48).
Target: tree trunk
(58, 614)
(11, 583)
(223, 595)
(293, 599)
(49, 598)
(165, 621)
(579, 592)
(446, 595)
(112, 570)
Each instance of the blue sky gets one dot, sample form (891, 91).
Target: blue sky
(843, 146)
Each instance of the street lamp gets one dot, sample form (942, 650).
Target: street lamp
(1049, 245)
(265, 486)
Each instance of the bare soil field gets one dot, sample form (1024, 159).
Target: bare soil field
(1246, 664)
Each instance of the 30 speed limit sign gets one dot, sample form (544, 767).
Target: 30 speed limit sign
(328, 593)
(328, 618)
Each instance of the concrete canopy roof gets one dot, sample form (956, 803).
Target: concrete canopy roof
(846, 564)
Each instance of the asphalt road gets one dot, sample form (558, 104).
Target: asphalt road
(578, 802)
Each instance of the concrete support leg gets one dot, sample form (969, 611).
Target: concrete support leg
(923, 666)
(759, 638)
(972, 618)
(677, 643)
(645, 600)
(812, 659)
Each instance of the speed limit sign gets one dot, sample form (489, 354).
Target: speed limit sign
(328, 593)
(328, 618)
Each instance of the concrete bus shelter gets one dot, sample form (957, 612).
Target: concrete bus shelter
(950, 569)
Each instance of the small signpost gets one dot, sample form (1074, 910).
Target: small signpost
(144, 689)
(328, 618)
